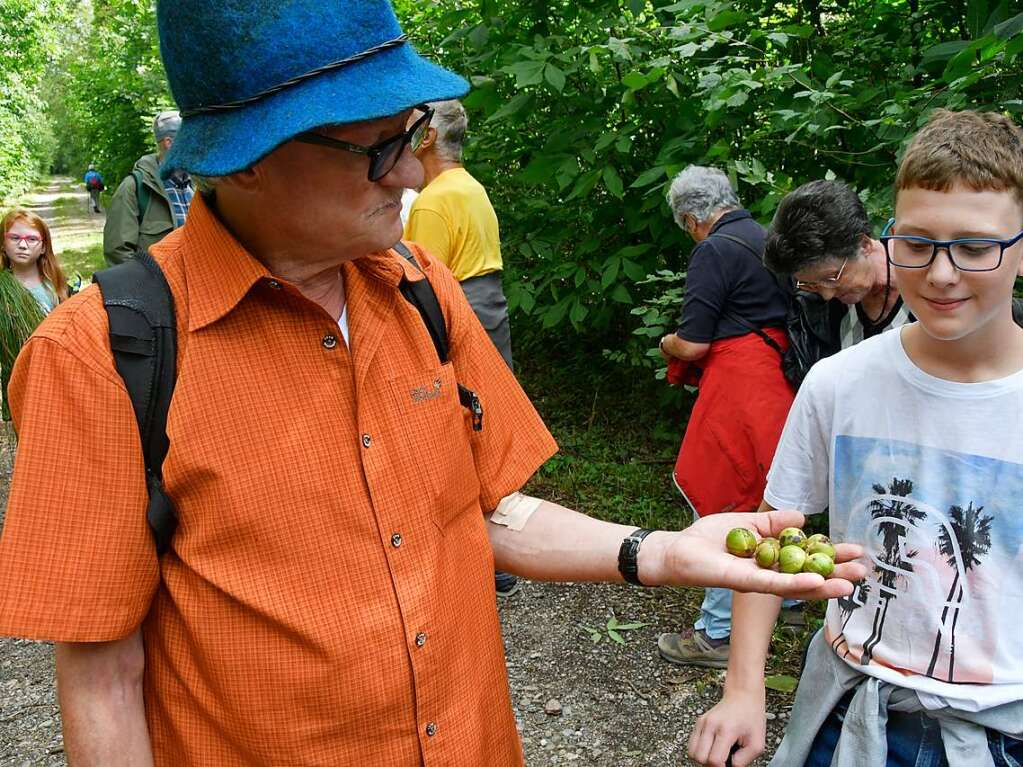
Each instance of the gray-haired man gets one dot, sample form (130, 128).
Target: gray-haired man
(146, 208)
(453, 219)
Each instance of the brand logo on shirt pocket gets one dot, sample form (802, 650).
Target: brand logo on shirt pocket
(423, 393)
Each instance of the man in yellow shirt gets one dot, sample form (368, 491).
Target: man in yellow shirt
(453, 219)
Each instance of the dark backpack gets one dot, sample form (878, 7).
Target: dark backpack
(142, 194)
(807, 325)
(94, 182)
(143, 337)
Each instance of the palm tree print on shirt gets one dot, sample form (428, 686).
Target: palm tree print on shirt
(963, 543)
(846, 607)
(893, 517)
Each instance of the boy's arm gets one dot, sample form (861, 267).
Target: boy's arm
(100, 691)
(739, 718)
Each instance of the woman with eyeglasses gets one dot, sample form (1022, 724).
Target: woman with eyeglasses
(31, 285)
(821, 237)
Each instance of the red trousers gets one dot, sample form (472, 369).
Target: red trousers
(735, 425)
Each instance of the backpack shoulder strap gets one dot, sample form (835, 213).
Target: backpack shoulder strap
(143, 337)
(142, 194)
(738, 241)
(421, 295)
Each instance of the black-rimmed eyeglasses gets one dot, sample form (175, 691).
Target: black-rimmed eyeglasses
(969, 254)
(383, 155)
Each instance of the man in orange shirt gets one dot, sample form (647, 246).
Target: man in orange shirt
(326, 598)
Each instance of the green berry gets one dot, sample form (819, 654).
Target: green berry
(741, 542)
(767, 553)
(792, 536)
(791, 559)
(819, 563)
(821, 547)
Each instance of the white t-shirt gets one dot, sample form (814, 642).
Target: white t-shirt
(342, 323)
(927, 475)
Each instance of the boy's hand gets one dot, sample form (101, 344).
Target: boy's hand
(737, 720)
(697, 556)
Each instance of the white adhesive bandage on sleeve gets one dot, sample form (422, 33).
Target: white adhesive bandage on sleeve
(515, 510)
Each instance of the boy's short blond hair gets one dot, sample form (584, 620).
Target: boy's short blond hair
(981, 150)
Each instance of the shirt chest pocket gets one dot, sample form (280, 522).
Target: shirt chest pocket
(436, 451)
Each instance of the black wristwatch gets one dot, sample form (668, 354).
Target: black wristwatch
(628, 564)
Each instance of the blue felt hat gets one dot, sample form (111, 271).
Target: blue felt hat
(249, 75)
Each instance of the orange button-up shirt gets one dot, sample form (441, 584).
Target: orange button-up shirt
(328, 599)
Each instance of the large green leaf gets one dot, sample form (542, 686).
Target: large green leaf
(612, 181)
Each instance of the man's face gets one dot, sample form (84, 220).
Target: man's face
(322, 197)
(951, 304)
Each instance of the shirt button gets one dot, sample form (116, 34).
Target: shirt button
(431, 729)
(396, 540)
(329, 341)
(366, 440)
(274, 284)
(420, 639)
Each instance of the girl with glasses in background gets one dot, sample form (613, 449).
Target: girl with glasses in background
(31, 285)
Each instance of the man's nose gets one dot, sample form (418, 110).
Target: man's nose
(407, 172)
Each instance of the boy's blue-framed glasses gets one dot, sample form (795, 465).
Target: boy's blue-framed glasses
(970, 254)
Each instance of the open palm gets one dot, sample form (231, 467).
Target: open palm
(697, 557)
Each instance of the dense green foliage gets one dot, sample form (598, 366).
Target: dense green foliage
(582, 110)
(28, 47)
(79, 83)
(109, 85)
(586, 108)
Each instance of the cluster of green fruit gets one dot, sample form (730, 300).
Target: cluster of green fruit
(792, 551)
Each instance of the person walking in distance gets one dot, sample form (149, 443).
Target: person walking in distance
(146, 208)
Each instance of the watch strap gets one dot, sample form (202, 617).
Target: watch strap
(628, 556)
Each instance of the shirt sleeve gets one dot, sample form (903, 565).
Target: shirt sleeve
(77, 563)
(800, 473)
(428, 228)
(514, 441)
(707, 289)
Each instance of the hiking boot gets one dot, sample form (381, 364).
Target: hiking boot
(693, 648)
(505, 584)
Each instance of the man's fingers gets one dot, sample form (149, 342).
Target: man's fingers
(800, 586)
(770, 523)
(845, 552)
(850, 571)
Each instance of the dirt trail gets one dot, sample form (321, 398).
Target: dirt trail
(617, 705)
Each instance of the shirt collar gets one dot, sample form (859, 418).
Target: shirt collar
(729, 217)
(221, 271)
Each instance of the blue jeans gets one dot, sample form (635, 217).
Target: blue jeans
(716, 612)
(914, 740)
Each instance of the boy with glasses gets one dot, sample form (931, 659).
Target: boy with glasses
(909, 439)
